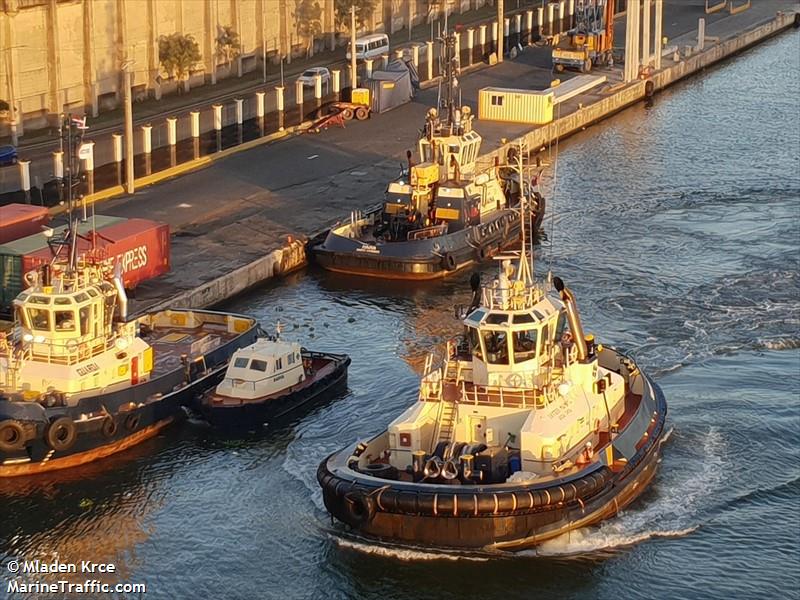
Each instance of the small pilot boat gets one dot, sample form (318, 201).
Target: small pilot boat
(524, 429)
(270, 379)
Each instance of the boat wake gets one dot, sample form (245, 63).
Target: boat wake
(674, 513)
(404, 553)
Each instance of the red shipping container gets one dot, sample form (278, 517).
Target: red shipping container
(141, 247)
(21, 220)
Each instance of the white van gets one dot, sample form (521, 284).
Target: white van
(371, 46)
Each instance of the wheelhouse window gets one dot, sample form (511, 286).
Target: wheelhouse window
(290, 359)
(240, 363)
(39, 319)
(258, 365)
(496, 343)
(278, 364)
(474, 342)
(65, 320)
(524, 345)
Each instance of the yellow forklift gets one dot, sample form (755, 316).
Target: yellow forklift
(591, 41)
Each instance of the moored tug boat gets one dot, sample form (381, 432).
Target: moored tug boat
(442, 215)
(526, 429)
(80, 380)
(270, 379)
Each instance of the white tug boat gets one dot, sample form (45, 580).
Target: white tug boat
(269, 380)
(80, 380)
(524, 429)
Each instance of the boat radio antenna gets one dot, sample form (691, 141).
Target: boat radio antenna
(71, 130)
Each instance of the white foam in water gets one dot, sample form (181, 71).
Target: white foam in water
(406, 554)
(673, 514)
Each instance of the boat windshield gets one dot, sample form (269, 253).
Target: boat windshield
(524, 345)
(496, 343)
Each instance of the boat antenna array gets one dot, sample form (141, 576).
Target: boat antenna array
(71, 130)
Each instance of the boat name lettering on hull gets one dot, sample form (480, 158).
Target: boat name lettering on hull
(369, 248)
(86, 369)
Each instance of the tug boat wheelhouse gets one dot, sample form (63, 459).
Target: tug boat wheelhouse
(442, 215)
(526, 429)
(79, 380)
(270, 379)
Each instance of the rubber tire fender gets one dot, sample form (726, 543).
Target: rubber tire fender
(482, 254)
(109, 427)
(53, 435)
(12, 435)
(359, 508)
(132, 421)
(449, 262)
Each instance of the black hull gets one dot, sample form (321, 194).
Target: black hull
(431, 258)
(131, 415)
(273, 410)
(487, 517)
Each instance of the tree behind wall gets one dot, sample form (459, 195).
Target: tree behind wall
(308, 16)
(178, 54)
(229, 46)
(364, 10)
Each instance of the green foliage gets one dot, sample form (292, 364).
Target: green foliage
(229, 46)
(308, 16)
(364, 10)
(178, 54)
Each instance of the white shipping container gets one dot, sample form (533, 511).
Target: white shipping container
(515, 106)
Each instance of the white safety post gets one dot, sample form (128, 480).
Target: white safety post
(482, 38)
(25, 178)
(58, 160)
(457, 45)
(385, 59)
(172, 130)
(399, 53)
(368, 67)
(550, 17)
(540, 19)
(116, 141)
(701, 33)
(239, 110)
(217, 116)
(429, 59)
(415, 55)
(279, 105)
(529, 25)
(147, 139)
(194, 118)
(299, 92)
(470, 44)
(88, 166)
(562, 13)
(260, 104)
(318, 89)
(336, 75)
(571, 8)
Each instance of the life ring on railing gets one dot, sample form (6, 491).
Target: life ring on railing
(449, 262)
(12, 435)
(359, 508)
(61, 434)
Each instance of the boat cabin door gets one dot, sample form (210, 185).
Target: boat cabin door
(477, 429)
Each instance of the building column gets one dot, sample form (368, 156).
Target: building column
(54, 103)
(153, 64)
(9, 55)
(659, 40)
(209, 47)
(646, 33)
(89, 87)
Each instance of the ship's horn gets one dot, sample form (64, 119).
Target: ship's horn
(123, 297)
(572, 316)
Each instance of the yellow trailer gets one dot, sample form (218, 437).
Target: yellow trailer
(532, 107)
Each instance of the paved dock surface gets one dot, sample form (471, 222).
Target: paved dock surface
(246, 205)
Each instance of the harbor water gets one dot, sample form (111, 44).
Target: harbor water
(677, 226)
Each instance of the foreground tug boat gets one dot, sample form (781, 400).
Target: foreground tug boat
(526, 430)
(270, 379)
(80, 381)
(445, 217)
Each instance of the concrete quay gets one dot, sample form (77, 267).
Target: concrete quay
(234, 219)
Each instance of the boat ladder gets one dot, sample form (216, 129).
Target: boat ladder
(448, 406)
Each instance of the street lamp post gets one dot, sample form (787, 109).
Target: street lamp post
(353, 72)
(129, 184)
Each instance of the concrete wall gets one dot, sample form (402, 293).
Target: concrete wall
(56, 53)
